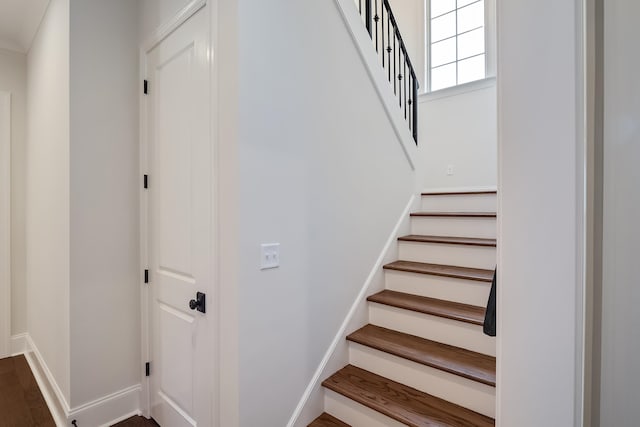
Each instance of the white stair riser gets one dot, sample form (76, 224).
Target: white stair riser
(470, 394)
(439, 253)
(454, 226)
(446, 331)
(355, 414)
(459, 203)
(445, 288)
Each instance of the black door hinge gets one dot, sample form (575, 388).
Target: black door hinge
(146, 87)
(146, 276)
(145, 181)
(147, 369)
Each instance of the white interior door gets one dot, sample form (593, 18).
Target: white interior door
(180, 226)
(5, 224)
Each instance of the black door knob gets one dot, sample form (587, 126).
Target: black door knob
(199, 303)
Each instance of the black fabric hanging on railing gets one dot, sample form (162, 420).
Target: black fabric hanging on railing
(489, 327)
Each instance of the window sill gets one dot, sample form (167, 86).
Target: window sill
(457, 90)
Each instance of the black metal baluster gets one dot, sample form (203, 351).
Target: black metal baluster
(415, 109)
(376, 18)
(395, 92)
(367, 13)
(382, 43)
(405, 85)
(360, 7)
(410, 102)
(399, 69)
(389, 46)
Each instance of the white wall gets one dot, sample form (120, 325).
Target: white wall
(459, 130)
(319, 172)
(13, 79)
(456, 127)
(105, 275)
(47, 192)
(539, 213)
(620, 373)
(81, 197)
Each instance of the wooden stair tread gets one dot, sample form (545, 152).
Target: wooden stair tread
(326, 420)
(435, 307)
(404, 404)
(457, 214)
(477, 274)
(456, 193)
(469, 241)
(465, 363)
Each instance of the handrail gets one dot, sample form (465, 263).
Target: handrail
(373, 14)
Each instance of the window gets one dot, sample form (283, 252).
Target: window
(457, 51)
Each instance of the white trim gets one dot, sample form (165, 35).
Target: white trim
(358, 32)
(457, 90)
(108, 410)
(216, 415)
(50, 390)
(102, 412)
(460, 189)
(313, 391)
(582, 133)
(5, 224)
(499, 234)
(170, 26)
(144, 260)
(18, 344)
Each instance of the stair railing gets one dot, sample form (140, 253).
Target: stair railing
(383, 29)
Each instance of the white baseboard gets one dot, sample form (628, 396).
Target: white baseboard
(336, 356)
(50, 390)
(18, 344)
(102, 412)
(108, 410)
(460, 189)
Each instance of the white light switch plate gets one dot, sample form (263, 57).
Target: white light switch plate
(269, 255)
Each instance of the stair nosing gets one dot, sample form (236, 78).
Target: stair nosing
(456, 193)
(379, 298)
(454, 214)
(423, 268)
(433, 362)
(427, 401)
(449, 240)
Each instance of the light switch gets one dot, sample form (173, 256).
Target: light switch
(269, 255)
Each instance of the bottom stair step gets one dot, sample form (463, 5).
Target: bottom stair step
(404, 404)
(326, 420)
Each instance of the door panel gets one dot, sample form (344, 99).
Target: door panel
(180, 218)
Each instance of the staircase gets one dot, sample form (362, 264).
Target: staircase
(423, 359)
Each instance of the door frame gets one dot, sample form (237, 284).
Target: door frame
(5, 224)
(156, 37)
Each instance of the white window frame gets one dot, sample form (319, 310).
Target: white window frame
(489, 50)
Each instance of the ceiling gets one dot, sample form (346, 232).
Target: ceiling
(19, 21)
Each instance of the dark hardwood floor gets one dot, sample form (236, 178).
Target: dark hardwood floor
(136, 422)
(21, 403)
